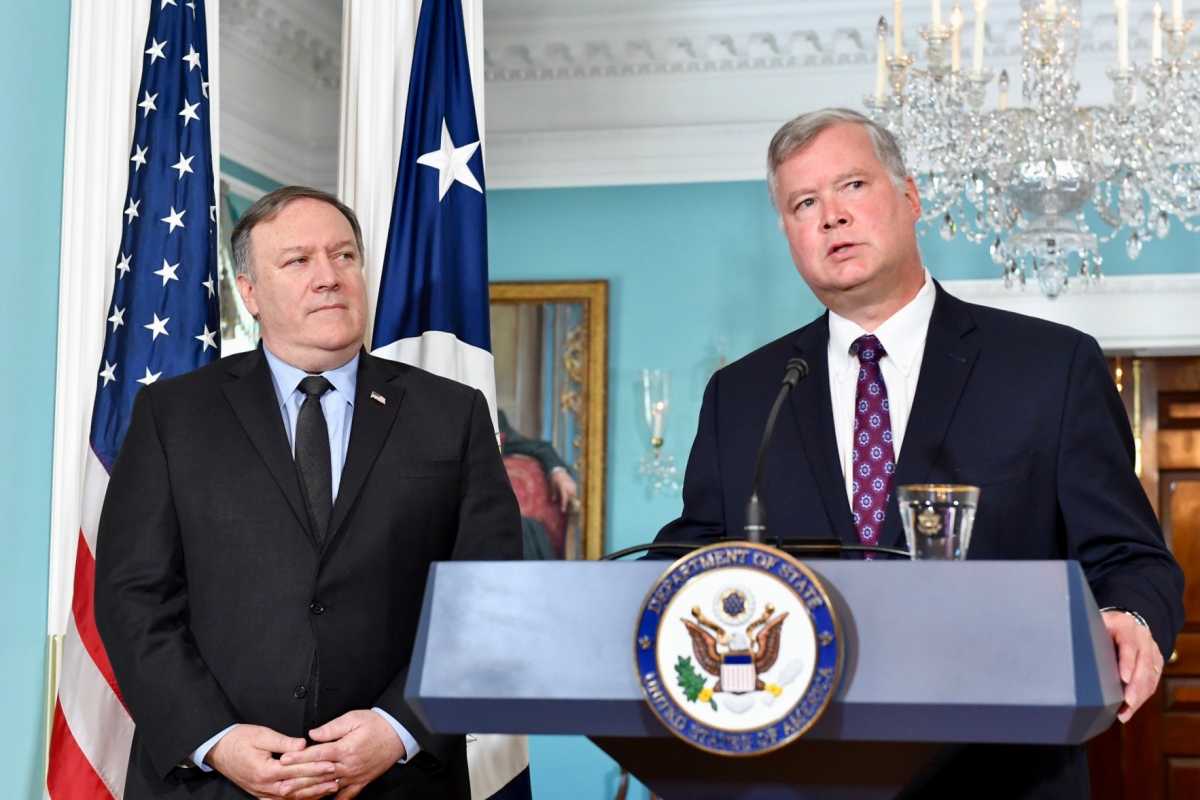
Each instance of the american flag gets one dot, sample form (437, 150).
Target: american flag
(163, 321)
(433, 293)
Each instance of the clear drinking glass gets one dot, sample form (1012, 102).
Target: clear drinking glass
(938, 518)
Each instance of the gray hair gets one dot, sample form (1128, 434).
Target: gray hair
(267, 208)
(798, 133)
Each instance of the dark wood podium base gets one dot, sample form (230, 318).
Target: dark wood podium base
(812, 770)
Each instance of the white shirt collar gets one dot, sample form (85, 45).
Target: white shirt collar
(902, 334)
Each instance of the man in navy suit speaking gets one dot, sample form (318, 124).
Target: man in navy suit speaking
(908, 384)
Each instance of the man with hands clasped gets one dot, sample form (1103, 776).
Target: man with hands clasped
(267, 533)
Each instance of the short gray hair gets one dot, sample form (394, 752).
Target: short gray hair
(267, 207)
(798, 133)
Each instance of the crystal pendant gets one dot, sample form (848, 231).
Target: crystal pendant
(997, 251)
(948, 228)
(1133, 246)
(1162, 224)
(1052, 278)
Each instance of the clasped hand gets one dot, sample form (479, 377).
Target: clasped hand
(349, 752)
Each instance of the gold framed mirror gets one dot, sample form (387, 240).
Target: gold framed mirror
(550, 344)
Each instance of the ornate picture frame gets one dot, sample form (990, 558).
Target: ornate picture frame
(550, 342)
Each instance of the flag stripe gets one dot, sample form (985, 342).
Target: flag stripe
(71, 776)
(95, 484)
(99, 722)
(85, 621)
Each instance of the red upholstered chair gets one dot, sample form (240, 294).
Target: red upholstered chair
(532, 488)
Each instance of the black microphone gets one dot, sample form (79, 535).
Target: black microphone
(756, 514)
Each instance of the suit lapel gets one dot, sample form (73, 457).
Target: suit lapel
(950, 354)
(377, 400)
(813, 412)
(252, 396)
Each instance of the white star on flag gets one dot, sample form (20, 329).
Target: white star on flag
(131, 210)
(204, 88)
(192, 6)
(155, 51)
(208, 339)
(109, 373)
(147, 104)
(189, 112)
(117, 318)
(174, 219)
(212, 213)
(167, 272)
(451, 163)
(139, 156)
(166, 3)
(158, 327)
(207, 283)
(192, 58)
(122, 266)
(148, 378)
(183, 165)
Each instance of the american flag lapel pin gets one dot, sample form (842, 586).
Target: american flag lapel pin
(378, 398)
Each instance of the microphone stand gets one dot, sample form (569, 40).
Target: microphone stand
(756, 513)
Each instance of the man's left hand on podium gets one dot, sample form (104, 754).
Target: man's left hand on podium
(1139, 661)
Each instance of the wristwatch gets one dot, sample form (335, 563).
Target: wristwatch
(1138, 618)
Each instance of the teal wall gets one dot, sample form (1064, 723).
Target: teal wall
(33, 94)
(690, 268)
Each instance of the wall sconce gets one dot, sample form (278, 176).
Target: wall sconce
(656, 467)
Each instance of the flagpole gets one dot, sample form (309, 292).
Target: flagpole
(53, 658)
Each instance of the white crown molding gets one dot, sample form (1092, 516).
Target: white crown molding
(281, 70)
(605, 92)
(300, 39)
(585, 93)
(1140, 315)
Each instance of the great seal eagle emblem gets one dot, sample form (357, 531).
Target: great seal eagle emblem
(738, 648)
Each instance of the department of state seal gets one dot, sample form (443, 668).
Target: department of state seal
(738, 648)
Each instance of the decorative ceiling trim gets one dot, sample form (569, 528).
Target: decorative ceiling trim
(1141, 315)
(691, 92)
(280, 90)
(302, 40)
(735, 39)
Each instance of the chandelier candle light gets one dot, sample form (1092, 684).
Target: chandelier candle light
(1033, 179)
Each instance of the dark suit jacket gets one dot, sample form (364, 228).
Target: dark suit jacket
(217, 605)
(1023, 408)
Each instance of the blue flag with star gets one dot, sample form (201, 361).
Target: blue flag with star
(432, 308)
(163, 319)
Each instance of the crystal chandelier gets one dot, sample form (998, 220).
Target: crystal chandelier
(1045, 184)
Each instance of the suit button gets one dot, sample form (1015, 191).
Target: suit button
(300, 692)
(316, 608)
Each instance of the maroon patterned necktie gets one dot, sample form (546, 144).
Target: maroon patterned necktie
(874, 461)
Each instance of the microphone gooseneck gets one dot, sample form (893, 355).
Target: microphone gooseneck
(756, 513)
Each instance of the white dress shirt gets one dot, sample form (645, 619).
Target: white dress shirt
(903, 338)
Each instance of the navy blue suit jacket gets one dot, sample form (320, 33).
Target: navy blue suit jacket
(1021, 407)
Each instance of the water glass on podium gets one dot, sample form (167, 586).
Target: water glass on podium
(938, 518)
